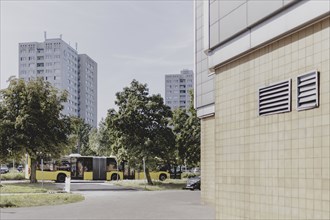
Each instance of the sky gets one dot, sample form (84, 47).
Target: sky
(142, 40)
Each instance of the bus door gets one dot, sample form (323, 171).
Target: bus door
(99, 168)
(77, 171)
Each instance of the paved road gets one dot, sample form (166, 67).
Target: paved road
(113, 202)
(79, 186)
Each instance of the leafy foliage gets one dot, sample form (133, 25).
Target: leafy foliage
(99, 140)
(31, 120)
(186, 127)
(79, 137)
(139, 129)
(9, 110)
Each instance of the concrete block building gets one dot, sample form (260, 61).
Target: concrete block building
(262, 71)
(57, 62)
(88, 89)
(177, 88)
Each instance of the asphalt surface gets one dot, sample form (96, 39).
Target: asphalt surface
(106, 201)
(79, 186)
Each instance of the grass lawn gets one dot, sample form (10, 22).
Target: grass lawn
(27, 188)
(169, 184)
(26, 195)
(26, 200)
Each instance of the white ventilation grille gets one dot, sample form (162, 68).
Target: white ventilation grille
(307, 91)
(275, 98)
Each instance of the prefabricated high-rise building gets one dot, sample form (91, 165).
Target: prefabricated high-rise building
(60, 64)
(88, 89)
(177, 88)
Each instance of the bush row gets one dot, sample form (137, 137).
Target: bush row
(13, 176)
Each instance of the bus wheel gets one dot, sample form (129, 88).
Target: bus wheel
(162, 177)
(61, 178)
(115, 177)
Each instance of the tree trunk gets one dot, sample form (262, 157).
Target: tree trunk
(78, 145)
(33, 176)
(149, 177)
(174, 167)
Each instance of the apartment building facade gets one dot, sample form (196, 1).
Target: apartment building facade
(88, 89)
(177, 87)
(58, 63)
(262, 71)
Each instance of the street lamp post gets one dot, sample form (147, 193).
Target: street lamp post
(144, 170)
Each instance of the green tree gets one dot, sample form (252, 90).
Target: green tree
(178, 123)
(32, 113)
(99, 140)
(186, 127)
(79, 137)
(7, 131)
(139, 128)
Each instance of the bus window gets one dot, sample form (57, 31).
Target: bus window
(111, 164)
(88, 164)
(62, 165)
(74, 172)
(80, 170)
(47, 166)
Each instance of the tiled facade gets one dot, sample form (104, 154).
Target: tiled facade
(274, 166)
(204, 82)
(208, 160)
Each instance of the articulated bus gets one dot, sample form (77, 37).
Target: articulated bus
(90, 168)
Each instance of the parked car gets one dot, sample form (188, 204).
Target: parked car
(196, 170)
(4, 169)
(19, 168)
(193, 183)
(180, 169)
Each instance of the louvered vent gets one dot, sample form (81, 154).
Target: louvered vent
(275, 98)
(307, 91)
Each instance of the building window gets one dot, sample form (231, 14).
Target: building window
(275, 98)
(308, 91)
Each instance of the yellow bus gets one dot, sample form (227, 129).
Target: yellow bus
(90, 168)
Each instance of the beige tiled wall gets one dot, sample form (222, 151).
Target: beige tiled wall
(275, 166)
(208, 160)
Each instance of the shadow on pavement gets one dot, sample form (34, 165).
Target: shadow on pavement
(123, 189)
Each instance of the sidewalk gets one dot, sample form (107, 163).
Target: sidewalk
(178, 204)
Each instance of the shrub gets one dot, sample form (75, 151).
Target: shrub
(6, 204)
(188, 175)
(13, 176)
